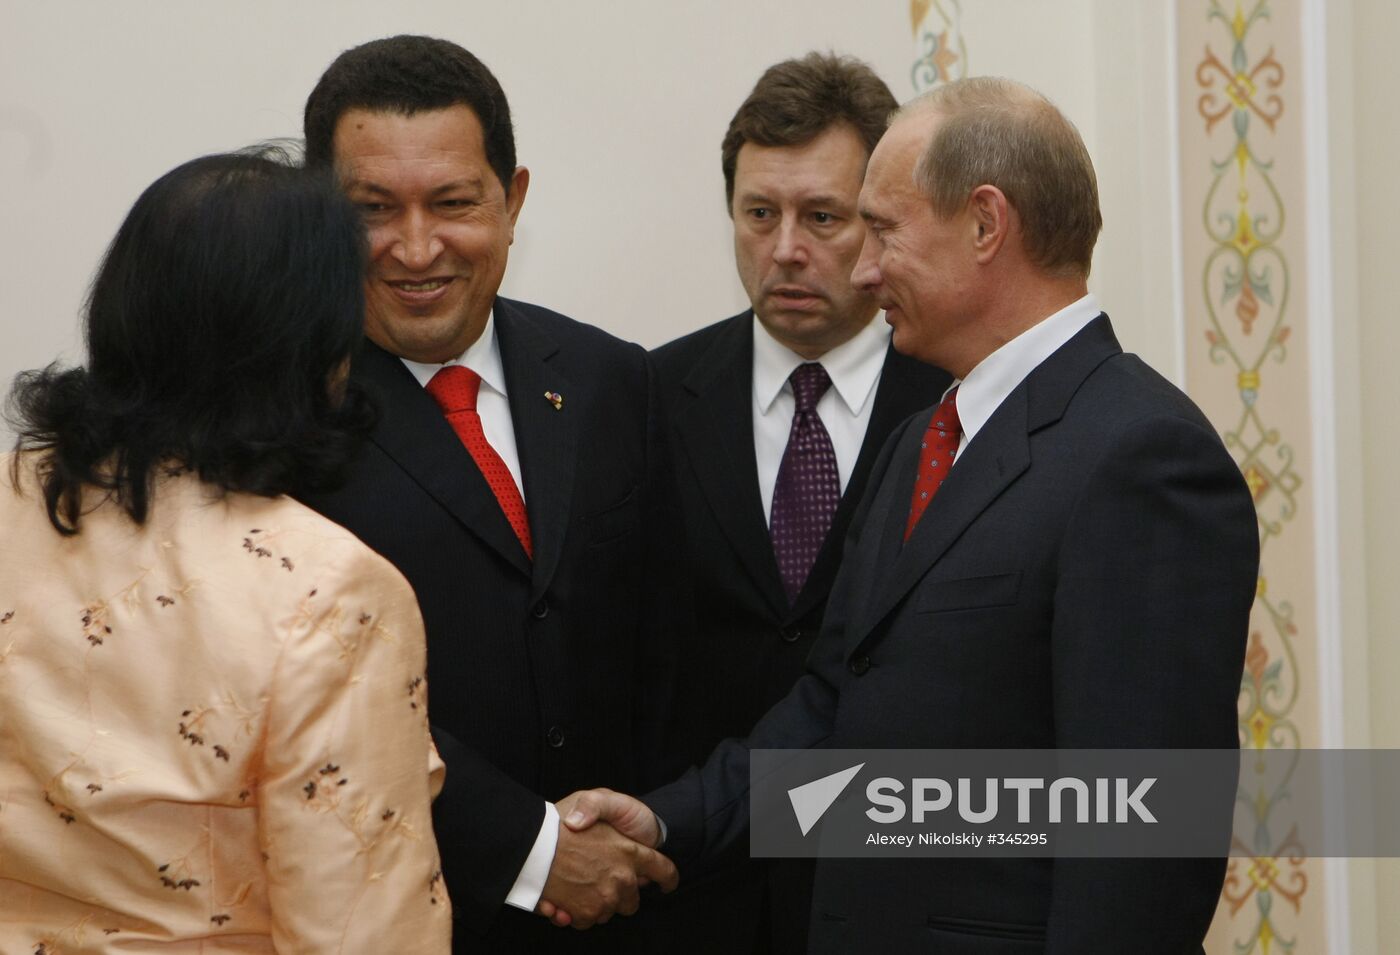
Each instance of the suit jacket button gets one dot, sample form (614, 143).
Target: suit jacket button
(790, 634)
(860, 665)
(555, 737)
(540, 610)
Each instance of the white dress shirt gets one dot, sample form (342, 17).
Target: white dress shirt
(997, 375)
(854, 368)
(484, 358)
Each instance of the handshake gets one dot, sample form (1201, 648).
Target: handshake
(606, 853)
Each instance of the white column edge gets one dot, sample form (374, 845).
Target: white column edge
(1178, 264)
(1323, 408)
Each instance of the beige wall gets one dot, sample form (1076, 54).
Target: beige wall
(1376, 30)
(1375, 139)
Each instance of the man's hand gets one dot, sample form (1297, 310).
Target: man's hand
(605, 854)
(626, 814)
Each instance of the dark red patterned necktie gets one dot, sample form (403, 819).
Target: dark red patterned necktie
(935, 457)
(455, 388)
(808, 487)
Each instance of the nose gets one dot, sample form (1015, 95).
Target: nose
(791, 247)
(417, 246)
(865, 277)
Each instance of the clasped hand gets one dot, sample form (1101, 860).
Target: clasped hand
(605, 855)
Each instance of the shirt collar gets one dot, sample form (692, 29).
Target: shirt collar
(997, 375)
(854, 366)
(483, 356)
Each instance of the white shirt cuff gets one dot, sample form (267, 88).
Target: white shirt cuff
(529, 884)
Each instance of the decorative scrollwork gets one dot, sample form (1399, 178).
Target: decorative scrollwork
(1245, 285)
(941, 53)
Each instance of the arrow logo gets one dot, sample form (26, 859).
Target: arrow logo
(810, 801)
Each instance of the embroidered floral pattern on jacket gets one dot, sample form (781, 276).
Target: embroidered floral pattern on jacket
(203, 704)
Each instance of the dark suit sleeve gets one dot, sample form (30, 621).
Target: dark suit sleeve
(706, 811)
(1157, 572)
(475, 790)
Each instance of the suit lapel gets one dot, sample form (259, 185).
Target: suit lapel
(716, 431)
(414, 434)
(988, 465)
(991, 462)
(545, 437)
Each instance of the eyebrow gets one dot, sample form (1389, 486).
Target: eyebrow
(825, 199)
(751, 196)
(473, 185)
(820, 199)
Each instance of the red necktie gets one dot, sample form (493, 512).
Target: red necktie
(455, 388)
(935, 458)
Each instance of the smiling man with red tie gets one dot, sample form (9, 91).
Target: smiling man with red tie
(517, 477)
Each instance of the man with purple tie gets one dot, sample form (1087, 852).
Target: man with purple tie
(778, 414)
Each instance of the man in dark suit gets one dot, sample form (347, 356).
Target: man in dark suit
(516, 477)
(1061, 554)
(793, 159)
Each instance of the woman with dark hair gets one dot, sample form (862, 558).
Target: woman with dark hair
(213, 729)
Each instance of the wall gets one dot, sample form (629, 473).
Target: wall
(1372, 129)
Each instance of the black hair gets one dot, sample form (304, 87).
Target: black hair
(218, 328)
(408, 75)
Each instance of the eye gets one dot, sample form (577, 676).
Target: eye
(371, 208)
(823, 218)
(760, 213)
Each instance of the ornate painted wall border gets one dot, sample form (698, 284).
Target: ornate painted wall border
(939, 48)
(1244, 170)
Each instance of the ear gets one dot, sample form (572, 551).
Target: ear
(991, 214)
(515, 195)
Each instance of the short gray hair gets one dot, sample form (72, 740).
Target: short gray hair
(999, 132)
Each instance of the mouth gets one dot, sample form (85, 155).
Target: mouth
(421, 292)
(795, 296)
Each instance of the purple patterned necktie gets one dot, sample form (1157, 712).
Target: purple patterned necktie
(808, 488)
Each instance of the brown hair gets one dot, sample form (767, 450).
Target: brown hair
(998, 132)
(796, 100)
